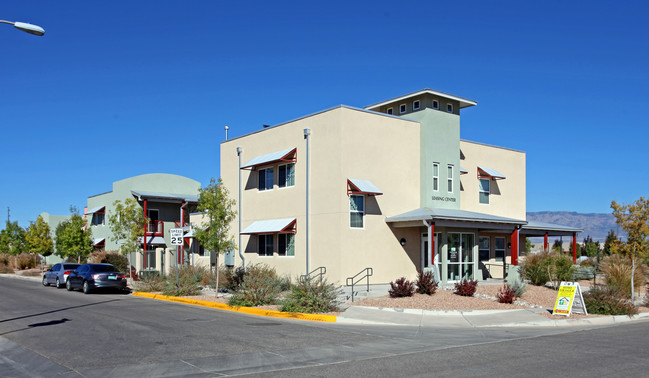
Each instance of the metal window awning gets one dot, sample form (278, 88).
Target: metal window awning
(356, 186)
(96, 242)
(100, 209)
(153, 240)
(289, 155)
(463, 171)
(272, 226)
(485, 172)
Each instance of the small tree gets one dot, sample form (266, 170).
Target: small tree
(633, 218)
(214, 202)
(39, 238)
(12, 240)
(127, 226)
(72, 237)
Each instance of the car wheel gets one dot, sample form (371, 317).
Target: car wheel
(68, 285)
(86, 287)
(45, 281)
(58, 283)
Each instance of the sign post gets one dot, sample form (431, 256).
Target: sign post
(177, 240)
(569, 298)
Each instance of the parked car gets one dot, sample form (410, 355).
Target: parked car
(89, 277)
(58, 274)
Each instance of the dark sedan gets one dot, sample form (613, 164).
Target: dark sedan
(89, 277)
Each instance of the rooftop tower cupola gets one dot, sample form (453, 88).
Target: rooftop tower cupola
(423, 99)
(438, 114)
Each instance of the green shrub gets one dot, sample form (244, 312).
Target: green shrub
(233, 277)
(311, 296)
(119, 260)
(583, 272)
(260, 286)
(607, 302)
(426, 282)
(189, 281)
(561, 268)
(516, 284)
(4, 268)
(617, 270)
(466, 288)
(401, 288)
(535, 268)
(152, 281)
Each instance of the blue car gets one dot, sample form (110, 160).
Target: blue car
(89, 277)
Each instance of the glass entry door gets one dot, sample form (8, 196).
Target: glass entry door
(429, 261)
(459, 257)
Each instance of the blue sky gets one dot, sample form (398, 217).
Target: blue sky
(121, 88)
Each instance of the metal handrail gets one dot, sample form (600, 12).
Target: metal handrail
(321, 272)
(368, 273)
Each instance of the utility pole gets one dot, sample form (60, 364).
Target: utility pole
(8, 217)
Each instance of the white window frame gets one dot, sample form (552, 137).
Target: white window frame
(362, 213)
(279, 183)
(95, 219)
(449, 178)
(403, 108)
(435, 177)
(265, 169)
(488, 249)
(287, 244)
(265, 236)
(436, 104)
(496, 249)
(416, 105)
(389, 111)
(481, 191)
(449, 108)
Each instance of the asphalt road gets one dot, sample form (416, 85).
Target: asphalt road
(48, 332)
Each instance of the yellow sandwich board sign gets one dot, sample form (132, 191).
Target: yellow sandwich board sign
(569, 299)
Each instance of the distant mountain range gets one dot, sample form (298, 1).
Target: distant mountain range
(597, 225)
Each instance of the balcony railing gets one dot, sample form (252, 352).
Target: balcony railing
(156, 228)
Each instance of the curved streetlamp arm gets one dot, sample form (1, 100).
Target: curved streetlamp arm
(27, 28)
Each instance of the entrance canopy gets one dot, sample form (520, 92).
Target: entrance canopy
(453, 218)
(533, 228)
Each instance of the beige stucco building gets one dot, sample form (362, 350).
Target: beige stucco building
(391, 187)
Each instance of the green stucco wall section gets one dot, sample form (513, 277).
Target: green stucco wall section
(154, 182)
(439, 143)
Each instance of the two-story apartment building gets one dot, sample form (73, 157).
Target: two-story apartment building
(391, 187)
(166, 200)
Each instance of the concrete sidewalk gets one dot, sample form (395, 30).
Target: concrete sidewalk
(470, 318)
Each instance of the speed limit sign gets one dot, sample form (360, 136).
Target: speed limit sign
(176, 236)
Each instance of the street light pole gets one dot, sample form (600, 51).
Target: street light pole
(243, 259)
(307, 136)
(27, 28)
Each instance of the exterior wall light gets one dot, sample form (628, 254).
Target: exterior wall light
(403, 242)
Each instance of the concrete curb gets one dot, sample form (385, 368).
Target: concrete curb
(245, 310)
(27, 278)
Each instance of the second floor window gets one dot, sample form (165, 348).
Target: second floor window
(98, 219)
(484, 191)
(450, 178)
(286, 175)
(436, 177)
(265, 179)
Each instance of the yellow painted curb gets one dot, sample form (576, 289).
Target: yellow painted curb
(245, 310)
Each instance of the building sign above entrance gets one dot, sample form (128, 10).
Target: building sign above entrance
(447, 199)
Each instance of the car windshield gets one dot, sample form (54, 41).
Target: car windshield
(70, 266)
(104, 268)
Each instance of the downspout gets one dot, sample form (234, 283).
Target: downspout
(243, 259)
